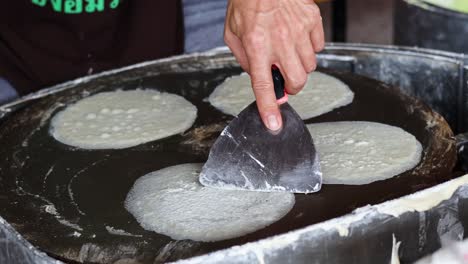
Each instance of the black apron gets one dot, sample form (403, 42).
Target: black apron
(45, 42)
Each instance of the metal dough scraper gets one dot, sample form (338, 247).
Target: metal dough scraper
(249, 156)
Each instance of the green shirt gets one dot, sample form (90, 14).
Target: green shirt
(455, 5)
(45, 42)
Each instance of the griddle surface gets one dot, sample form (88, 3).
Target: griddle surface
(70, 202)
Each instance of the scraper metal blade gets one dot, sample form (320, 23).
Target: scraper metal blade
(249, 156)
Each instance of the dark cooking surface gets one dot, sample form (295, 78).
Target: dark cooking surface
(69, 202)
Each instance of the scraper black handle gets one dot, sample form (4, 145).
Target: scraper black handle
(278, 82)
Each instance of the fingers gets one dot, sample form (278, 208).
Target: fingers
(317, 36)
(234, 43)
(310, 17)
(285, 33)
(290, 46)
(307, 54)
(260, 72)
(315, 26)
(293, 71)
(294, 45)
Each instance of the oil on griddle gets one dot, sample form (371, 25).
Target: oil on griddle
(69, 201)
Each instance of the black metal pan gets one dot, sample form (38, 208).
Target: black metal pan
(69, 201)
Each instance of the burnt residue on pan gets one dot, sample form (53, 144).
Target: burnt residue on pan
(69, 201)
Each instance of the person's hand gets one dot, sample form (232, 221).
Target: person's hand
(285, 33)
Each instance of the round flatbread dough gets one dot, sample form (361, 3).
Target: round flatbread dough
(321, 94)
(363, 152)
(172, 202)
(122, 119)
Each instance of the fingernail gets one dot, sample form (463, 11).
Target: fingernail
(273, 123)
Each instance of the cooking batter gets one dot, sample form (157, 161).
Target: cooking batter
(122, 119)
(171, 201)
(44, 42)
(322, 93)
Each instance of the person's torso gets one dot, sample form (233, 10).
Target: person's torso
(43, 42)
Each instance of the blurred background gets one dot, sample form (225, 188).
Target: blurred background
(363, 21)
(439, 24)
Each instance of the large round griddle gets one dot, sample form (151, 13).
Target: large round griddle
(69, 201)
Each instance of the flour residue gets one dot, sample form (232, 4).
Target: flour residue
(395, 247)
(119, 232)
(50, 209)
(422, 201)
